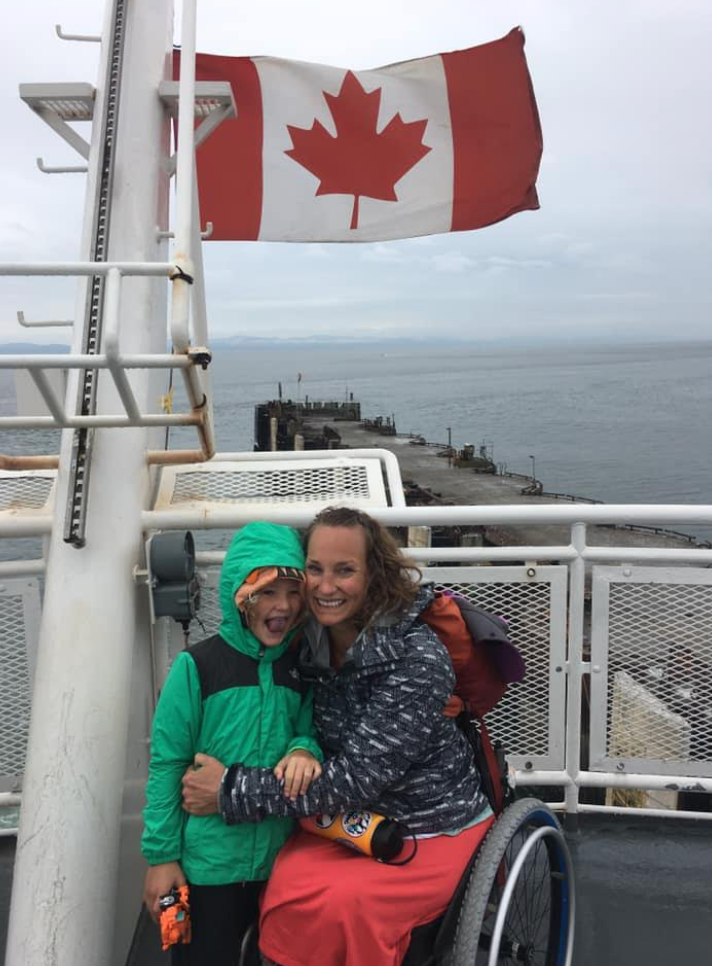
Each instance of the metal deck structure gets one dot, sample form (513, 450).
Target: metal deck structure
(612, 724)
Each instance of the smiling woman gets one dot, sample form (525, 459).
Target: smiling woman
(354, 570)
(381, 681)
(337, 583)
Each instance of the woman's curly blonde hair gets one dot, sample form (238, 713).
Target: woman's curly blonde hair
(392, 578)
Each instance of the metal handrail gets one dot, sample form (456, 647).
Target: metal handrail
(574, 556)
(509, 514)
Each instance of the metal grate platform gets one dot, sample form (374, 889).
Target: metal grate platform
(69, 102)
(314, 482)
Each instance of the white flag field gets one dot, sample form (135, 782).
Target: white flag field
(445, 143)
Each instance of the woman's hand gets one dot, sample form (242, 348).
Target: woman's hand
(201, 784)
(297, 770)
(160, 880)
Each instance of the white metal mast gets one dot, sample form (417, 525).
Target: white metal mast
(65, 885)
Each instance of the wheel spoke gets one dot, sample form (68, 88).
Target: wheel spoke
(530, 908)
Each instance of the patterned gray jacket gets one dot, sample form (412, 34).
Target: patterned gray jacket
(388, 747)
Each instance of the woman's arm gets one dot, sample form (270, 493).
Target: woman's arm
(393, 733)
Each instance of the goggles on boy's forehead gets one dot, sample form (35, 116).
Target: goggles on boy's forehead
(262, 577)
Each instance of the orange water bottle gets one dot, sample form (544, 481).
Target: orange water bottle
(366, 832)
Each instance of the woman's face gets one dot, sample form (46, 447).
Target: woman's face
(337, 574)
(275, 611)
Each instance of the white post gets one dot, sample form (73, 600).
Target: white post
(576, 668)
(69, 889)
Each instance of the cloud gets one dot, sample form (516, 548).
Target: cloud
(615, 296)
(454, 262)
(267, 304)
(384, 253)
(502, 261)
(626, 210)
(316, 250)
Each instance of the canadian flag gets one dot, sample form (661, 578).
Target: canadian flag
(446, 143)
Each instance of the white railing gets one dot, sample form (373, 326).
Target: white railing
(628, 643)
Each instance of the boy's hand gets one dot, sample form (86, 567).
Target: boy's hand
(160, 880)
(297, 771)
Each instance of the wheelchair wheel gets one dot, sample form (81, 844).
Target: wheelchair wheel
(518, 907)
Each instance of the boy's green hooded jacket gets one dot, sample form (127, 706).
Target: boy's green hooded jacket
(233, 698)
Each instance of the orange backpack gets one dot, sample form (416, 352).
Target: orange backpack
(485, 662)
(484, 659)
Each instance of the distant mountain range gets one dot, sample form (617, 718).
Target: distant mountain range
(246, 341)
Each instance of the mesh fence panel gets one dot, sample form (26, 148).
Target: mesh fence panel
(521, 719)
(209, 614)
(17, 636)
(658, 690)
(25, 492)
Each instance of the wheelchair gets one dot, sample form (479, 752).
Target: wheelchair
(514, 904)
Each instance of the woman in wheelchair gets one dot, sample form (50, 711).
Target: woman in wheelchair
(381, 679)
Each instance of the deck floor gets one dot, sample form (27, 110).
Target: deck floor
(643, 893)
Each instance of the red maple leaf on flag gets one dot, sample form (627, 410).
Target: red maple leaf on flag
(359, 160)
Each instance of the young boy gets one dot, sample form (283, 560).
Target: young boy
(236, 696)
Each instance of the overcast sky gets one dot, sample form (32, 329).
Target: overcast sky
(622, 245)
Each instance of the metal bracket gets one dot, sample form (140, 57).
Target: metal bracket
(87, 38)
(204, 234)
(31, 325)
(78, 169)
(200, 356)
(56, 104)
(214, 103)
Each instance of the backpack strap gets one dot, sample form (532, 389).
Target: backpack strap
(489, 760)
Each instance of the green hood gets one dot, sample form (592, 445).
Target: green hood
(255, 545)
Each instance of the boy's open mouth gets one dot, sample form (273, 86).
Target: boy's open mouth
(277, 625)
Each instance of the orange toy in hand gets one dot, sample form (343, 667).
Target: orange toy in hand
(175, 917)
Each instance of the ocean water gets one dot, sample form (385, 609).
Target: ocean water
(623, 424)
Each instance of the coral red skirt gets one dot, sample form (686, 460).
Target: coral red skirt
(327, 906)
